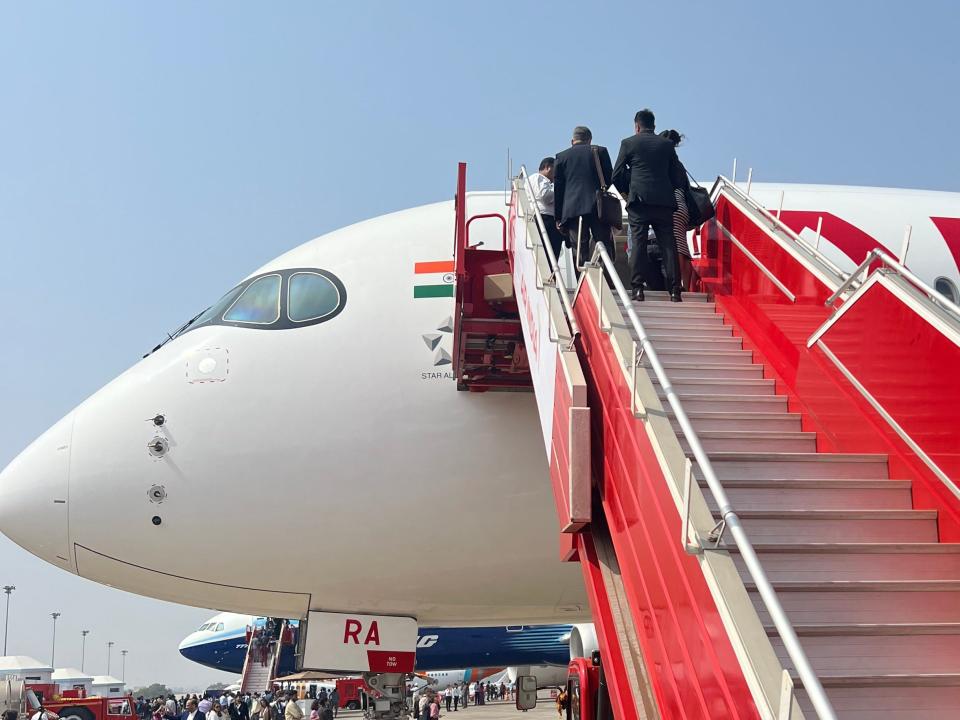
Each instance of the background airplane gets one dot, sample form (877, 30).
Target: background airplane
(221, 643)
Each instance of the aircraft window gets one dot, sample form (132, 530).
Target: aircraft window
(218, 308)
(202, 627)
(258, 304)
(947, 287)
(311, 296)
(219, 627)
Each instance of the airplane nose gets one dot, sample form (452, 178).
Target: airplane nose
(34, 495)
(188, 648)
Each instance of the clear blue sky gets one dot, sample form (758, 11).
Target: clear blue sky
(151, 154)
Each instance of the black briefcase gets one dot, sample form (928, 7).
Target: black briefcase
(609, 209)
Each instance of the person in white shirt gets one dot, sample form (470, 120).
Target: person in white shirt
(542, 184)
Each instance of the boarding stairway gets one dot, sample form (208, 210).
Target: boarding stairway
(870, 592)
(766, 527)
(258, 676)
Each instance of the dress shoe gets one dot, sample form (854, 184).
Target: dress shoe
(637, 294)
(675, 296)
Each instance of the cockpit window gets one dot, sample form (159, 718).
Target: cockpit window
(219, 627)
(278, 300)
(312, 296)
(258, 304)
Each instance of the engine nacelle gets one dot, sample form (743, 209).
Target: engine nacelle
(546, 675)
(583, 641)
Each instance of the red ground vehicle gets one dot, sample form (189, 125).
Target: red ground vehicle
(352, 692)
(75, 705)
(587, 695)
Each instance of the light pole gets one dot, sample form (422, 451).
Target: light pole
(7, 589)
(53, 649)
(83, 648)
(123, 665)
(109, 650)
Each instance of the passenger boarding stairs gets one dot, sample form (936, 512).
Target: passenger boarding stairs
(259, 676)
(765, 528)
(872, 594)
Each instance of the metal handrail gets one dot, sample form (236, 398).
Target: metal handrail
(483, 216)
(933, 294)
(728, 516)
(556, 275)
(726, 184)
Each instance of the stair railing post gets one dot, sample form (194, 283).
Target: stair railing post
(695, 548)
(786, 697)
(636, 406)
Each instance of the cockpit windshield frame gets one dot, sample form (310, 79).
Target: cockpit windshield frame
(282, 322)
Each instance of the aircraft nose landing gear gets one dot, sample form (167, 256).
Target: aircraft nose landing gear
(392, 701)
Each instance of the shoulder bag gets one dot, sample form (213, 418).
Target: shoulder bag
(698, 205)
(609, 209)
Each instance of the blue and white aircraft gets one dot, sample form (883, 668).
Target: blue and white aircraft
(221, 643)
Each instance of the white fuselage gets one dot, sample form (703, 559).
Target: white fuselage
(345, 442)
(341, 441)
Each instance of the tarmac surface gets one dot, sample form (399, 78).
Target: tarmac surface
(546, 710)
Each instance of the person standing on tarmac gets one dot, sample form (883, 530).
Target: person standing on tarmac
(292, 711)
(423, 712)
(238, 709)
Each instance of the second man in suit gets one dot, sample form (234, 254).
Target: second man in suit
(646, 173)
(575, 185)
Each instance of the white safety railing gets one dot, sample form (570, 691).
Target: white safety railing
(555, 279)
(729, 520)
(859, 276)
(812, 253)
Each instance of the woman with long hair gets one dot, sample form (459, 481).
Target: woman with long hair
(681, 219)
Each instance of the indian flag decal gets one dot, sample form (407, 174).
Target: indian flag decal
(433, 279)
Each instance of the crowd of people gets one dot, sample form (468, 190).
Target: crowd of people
(427, 702)
(571, 188)
(236, 706)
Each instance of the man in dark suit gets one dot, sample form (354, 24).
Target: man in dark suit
(575, 185)
(238, 709)
(191, 712)
(646, 173)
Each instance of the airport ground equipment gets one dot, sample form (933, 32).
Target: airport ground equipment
(26, 699)
(352, 693)
(758, 482)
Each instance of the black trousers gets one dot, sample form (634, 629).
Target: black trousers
(553, 235)
(642, 218)
(593, 231)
